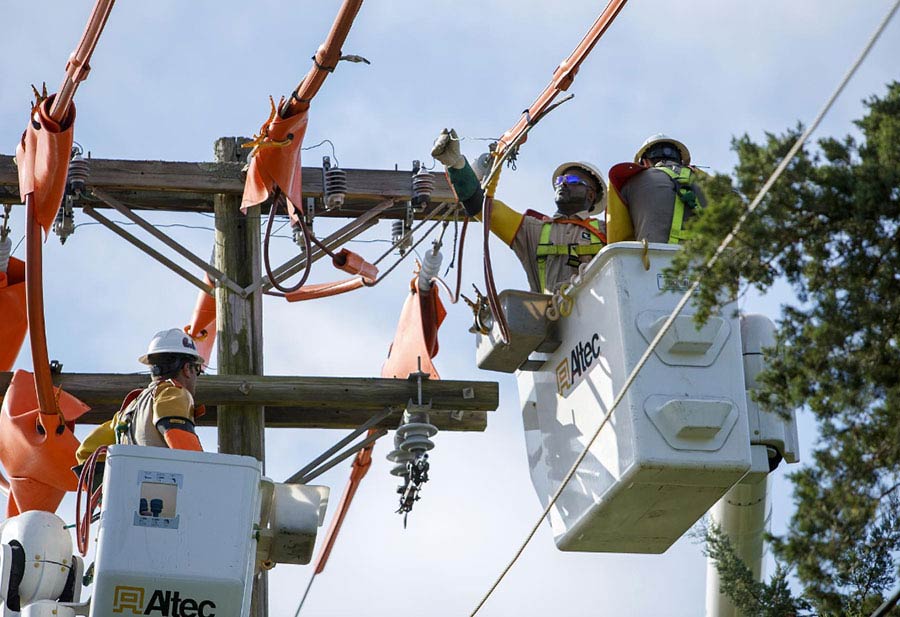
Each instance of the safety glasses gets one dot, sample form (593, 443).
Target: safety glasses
(569, 179)
(198, 369)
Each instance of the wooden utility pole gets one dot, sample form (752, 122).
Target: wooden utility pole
(239, 317)
(239, 328)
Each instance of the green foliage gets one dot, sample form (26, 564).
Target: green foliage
(772, 599)
(830, 227)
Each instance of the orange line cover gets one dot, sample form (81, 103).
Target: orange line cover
(38, 462)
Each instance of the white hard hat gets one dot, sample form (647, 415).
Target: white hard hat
(661, 138)
(171, 341)
(600, 202)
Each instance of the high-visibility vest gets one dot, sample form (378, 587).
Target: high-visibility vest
(685, 197)
(573, 251)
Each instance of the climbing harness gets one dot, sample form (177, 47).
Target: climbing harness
(685, 198)
(574, 251)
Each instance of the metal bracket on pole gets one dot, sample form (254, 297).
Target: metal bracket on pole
(213, 272)
(190, 278)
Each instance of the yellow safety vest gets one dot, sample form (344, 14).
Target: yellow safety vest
(684, 197)
(573, 251)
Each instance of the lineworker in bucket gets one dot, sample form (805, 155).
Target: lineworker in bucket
(163, 413)
(653, 198)
(550, 249)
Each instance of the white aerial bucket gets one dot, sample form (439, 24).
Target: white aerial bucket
(185, 532)
(678, 440)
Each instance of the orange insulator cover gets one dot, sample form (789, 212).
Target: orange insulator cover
(417, 334)
(39, 465)
(13, 314)
(276, 163)
(42, 158)
(352, 263)
(345, 260)
(203, 323)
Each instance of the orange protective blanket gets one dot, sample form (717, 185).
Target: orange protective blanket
(13, 316)
(417, 334)
(38, 464)
(203, 323)
(42, 158)
(276, 162)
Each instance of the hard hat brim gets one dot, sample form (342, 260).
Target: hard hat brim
(145, 359)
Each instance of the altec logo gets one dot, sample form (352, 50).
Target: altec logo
(164, 603)
(574, 367)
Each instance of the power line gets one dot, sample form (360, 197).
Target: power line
(690, 292)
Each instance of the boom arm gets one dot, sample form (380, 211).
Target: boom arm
(563, 77)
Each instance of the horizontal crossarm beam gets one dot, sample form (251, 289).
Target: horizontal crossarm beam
(300, 402)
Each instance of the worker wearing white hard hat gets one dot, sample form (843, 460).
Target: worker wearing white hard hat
(550, 248)
(163, 413)
(656, 196)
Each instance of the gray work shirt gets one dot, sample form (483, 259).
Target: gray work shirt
(650, 196)
(559, 271)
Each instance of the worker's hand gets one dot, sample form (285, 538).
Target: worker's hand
(446, 150)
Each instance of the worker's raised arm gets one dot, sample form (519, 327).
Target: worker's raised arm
(505, 221)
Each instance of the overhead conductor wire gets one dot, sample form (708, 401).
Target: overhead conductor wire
(690, 292)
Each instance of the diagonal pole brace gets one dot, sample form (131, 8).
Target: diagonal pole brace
(171, 265)
(213, 272)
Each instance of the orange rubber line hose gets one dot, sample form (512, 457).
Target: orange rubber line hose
(358, 471)
(325, 60)
(564, 74)
(78, 66)
(34, 300)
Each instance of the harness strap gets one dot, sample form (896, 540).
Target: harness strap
(129, 410)
(568, 249)
(574, 250)
(684, 197)
(592, 225)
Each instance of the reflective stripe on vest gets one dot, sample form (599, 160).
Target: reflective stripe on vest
(684, 192)
(546, 248)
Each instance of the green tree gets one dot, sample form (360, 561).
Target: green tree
(772, 599)
(830, 227)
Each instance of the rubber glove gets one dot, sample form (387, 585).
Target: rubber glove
(446, 150)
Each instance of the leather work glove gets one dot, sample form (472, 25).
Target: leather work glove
(446, 150)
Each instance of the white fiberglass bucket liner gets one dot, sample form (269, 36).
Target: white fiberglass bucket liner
(677, 441)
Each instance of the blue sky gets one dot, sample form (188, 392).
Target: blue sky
(170, 77)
